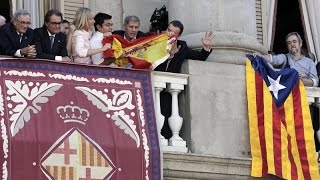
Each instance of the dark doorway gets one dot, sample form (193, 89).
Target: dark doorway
(5, 9)
(288, 19)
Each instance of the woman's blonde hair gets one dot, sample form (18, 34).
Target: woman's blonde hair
(82, 17)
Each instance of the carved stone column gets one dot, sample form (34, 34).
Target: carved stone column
(112, 7)
(158, 87)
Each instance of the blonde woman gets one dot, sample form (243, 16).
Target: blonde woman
(81, 50)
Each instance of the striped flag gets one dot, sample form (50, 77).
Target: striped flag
(281, 134)
(143, 53)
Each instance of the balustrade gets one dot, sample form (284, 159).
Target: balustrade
(174, 84)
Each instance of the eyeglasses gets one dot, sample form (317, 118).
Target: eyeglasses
(24, 23)
(55, 23)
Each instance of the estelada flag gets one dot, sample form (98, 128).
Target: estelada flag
(281, 134)
(143, 53)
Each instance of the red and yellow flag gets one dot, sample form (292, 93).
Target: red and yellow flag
(281, 134)
(143, 53)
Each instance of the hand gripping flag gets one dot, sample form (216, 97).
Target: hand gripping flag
(281, 134)
(143, 53)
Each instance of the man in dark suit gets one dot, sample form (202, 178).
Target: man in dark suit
(181, 51)
(16, 38)
(50, 42)
(130, 29)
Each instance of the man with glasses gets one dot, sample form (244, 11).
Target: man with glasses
(50, 42)
(16, 38)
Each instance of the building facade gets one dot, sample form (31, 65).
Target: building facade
(215, 107)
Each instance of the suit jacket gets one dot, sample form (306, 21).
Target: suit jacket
(42, 42)
(184, 53)
(121, 33)
(10, 40)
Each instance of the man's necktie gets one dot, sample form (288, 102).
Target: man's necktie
(20, 37)
(51, 42)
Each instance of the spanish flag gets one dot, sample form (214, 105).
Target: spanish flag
(143, 53)
(281, 134)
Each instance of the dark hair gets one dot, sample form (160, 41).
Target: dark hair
(50, 13)
(65, 21)
(99, 19)
(159, 20)
(177, 24)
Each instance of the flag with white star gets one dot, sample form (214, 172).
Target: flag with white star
(280, 83)
(281, 134)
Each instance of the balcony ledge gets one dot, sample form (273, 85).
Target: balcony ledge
(187, 166)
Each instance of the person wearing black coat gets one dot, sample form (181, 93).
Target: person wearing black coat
(50, 42)
(179, 52)
(16, 38)
(174, 64)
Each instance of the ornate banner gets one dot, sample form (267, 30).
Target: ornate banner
(66, 121)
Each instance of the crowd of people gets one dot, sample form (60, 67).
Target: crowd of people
(81, 40)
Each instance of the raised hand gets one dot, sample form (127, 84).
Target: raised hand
(174, 49)
(66, 59)
(207, 40)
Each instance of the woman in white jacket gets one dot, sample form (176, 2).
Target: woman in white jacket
(81, 50)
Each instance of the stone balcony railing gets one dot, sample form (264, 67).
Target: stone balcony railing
(174, 84)
(178, 164)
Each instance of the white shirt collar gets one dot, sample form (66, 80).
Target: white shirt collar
(54, 35)
(124, 36)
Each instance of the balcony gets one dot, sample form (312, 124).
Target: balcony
(179, 159)
(179, 162)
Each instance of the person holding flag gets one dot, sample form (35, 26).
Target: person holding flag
(180, 50)
(296, 60)
(81, 49)
(103, 26)
(305, 67)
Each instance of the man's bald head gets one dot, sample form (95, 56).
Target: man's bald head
(2, 20)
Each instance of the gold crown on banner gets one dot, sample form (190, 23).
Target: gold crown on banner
(71, 113)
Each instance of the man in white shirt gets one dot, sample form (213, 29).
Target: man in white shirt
(103, 26)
